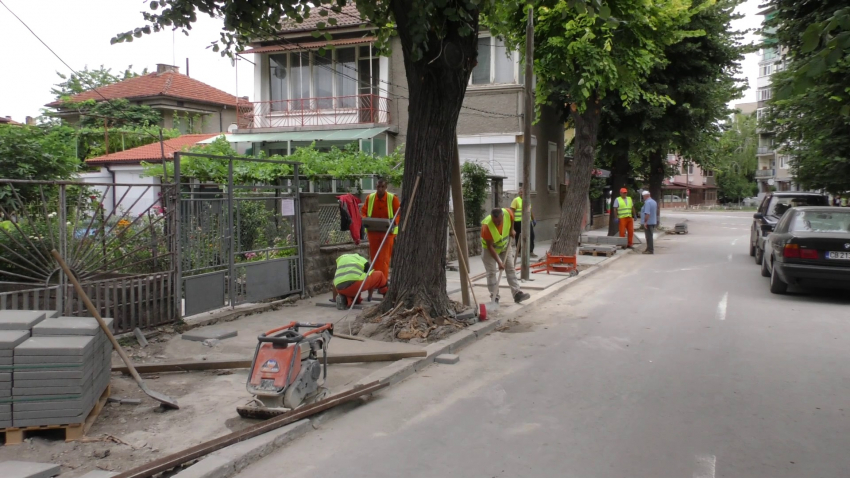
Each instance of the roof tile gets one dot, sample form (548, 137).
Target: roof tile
(152, 152)
(348, 17)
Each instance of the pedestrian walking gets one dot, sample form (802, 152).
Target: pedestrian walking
(381, 204)
(496, 234)
(624, 210)
(649, 215)
(517, 208)
(350, 275)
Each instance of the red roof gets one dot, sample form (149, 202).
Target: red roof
(152, 152)
(349, 16)
(171, 84)
(678, 185)
(8, 120)
(284, 46)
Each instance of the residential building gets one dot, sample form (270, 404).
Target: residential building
(690, 186)
(774, 167)
(184, 103)
(335, 97)
(8, 120)
(125, 168)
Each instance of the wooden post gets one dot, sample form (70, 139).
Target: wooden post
(526, 146)
(460, 225)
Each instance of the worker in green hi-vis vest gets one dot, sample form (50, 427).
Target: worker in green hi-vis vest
(517, 208)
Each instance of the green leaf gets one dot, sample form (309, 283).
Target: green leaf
(817, 67)
(332, 21)
(811, 38)
(316, 34)
(605, 12)
(321, 25)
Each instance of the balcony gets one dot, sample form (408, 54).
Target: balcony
(311, 112)
(765, 173)
(763, 150)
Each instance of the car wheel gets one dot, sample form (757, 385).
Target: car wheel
(776, 284)
(759, 255)
(765, 272)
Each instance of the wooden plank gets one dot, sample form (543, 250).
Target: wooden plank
(134, 322)
(188, 366)
(149, 304)
(101, 402)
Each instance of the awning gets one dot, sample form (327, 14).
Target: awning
(290, 46)
(305, 136)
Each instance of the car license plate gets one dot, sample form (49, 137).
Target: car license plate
(840, 255)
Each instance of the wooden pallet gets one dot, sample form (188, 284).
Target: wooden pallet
(73, 432)
(596, 253)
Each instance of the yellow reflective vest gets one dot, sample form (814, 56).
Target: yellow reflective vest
(500, 242)
(624, 208)
(371, 203)
(350, 268)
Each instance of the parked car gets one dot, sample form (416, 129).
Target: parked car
(811, 247)
(772, 207)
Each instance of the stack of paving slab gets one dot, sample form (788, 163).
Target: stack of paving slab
(55, 368)
(603, 240)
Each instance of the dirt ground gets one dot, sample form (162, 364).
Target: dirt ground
(125, 436)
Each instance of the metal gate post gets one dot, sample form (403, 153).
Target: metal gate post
(63, 250)
(178, 241)
(230, 256)
(297, 197)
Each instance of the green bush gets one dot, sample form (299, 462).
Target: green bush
(475, 185)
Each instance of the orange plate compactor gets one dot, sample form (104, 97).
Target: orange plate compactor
(287, 372)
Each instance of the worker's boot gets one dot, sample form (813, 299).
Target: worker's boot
(521, 296)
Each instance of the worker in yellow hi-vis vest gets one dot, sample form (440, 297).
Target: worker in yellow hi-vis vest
(498, 255)
(517, 208)
(624, 210)
(383, 205)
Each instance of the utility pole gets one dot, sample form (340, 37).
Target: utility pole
(525, 240)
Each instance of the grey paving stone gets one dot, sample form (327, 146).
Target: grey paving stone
(25, 392)
(61, 382)
(99, 474)
(5, 393)
(59, 415)
(65, 345)
(7, 424)
(5, 385)
(5, 361)
(23, 406)
(67, 326)
(39, 422)
(20, 319)
(5, 416)
(52, 374)
(25, 469)
(57, 360)
(7, 353)
(448, 359)
(200, 335)
(5, 407)
(9, 339)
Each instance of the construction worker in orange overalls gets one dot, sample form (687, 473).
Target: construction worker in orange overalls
(351, 277)
(624, 210)
(383, 205)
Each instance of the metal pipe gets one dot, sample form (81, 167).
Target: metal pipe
(178, 240)
(231, 260)
(299, 233)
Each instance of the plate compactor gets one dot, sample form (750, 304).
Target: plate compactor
(286, 372)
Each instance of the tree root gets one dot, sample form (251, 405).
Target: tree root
(414, 325)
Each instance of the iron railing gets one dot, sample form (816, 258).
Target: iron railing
(765, 173)
(335, 110)
(765, 150)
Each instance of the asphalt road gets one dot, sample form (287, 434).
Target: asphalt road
(680, 364)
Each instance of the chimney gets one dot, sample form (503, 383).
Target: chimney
(163, 68)
(30, 121)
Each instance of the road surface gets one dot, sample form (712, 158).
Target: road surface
(680, 364)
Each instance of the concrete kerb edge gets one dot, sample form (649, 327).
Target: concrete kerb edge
(230, 461)
(230, 315)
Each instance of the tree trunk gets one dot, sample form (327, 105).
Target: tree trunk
(656, 177)
(575, 201)
(437, 85)
(620, 170)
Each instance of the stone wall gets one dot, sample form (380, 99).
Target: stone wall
(473, 243)
(320, 262)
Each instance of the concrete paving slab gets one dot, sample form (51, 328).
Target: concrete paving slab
(5, 385)
(26, 392)
(20, 319)
(63, 345)
(98, 474)
(23, 406)
(66, 382)
(447, 359)
(9, 339)
(50, 360)
(25, 469)
(60, 415)
(199, 335)
(5, 361)
(6, 408)
(67, 326)
(5, 393)
(40, 422)
(5, 416)
(53, 374)
(5, 424)
(7, 353)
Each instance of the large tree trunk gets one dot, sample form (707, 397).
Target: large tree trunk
(575, 201)
(656, 177)
(437, 85)
(621, 167)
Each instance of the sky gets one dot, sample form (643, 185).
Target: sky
(79, 32)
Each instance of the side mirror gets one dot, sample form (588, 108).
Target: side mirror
(758, 215)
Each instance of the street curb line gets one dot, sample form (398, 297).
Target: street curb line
(231, 460)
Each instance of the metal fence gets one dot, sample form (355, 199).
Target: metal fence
(240, 240)
(119, 239)
(329, 224)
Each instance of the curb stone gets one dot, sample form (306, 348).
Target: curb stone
(229, 461)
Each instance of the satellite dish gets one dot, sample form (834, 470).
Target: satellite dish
(232, 128)
(770, 182)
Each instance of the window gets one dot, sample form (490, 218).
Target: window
(761, 114)
(784, 162)
(709, 173)
(821, 222)
(765, 94)
(687, 167)
(496, 64)
(766, 70)
(553, 167)
(323, 79)
(300, 68)
(346, 77)
(769, 53)
(279, 83)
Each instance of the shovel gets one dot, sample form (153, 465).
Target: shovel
(163, 399)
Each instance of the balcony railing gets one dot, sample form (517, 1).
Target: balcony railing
(336, 110)
(765, 150)
(765, 173)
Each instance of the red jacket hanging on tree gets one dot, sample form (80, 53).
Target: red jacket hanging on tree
(350, 204)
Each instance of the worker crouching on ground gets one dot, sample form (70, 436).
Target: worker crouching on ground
(382, 205)
(350, 275)
(496, 234)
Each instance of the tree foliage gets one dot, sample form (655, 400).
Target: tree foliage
(475, 186)
(35, 153)
(86, 80)
(811, 111)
